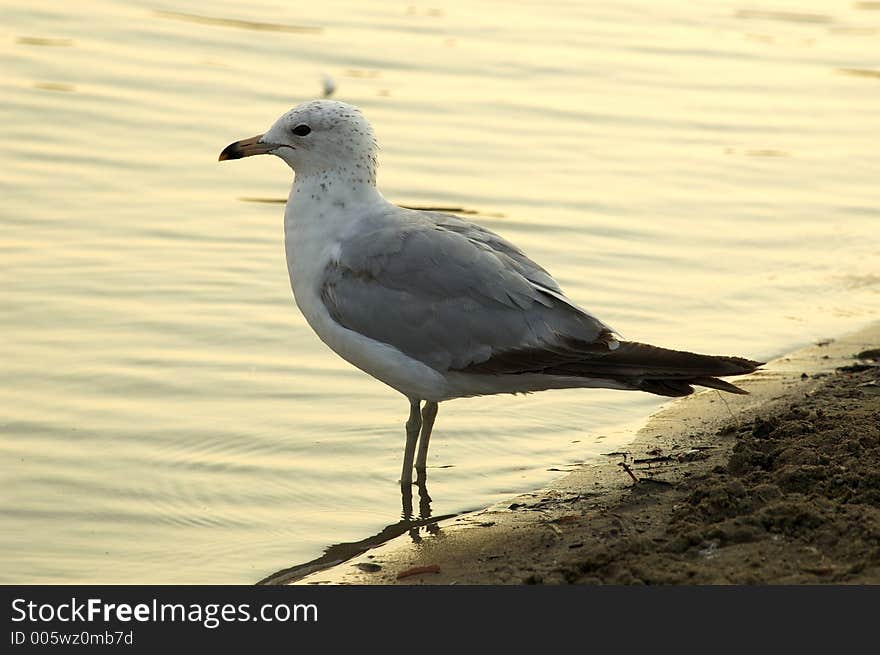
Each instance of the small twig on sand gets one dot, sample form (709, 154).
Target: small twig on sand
(418, 570)
(628, 470)
(726, 405)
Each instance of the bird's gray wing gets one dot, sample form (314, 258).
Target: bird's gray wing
(455, 296)
(509, 253)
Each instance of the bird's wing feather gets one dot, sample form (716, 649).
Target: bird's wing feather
(453, 295)
(509, 253)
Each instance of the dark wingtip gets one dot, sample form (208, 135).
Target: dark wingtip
(741, 365)
(755, 365)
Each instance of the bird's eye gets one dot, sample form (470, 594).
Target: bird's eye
(301, 130)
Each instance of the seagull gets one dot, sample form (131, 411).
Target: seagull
(435, 306)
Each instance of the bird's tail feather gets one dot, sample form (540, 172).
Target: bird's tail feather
(660, 370)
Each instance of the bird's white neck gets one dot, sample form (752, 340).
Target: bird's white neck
(322, 194)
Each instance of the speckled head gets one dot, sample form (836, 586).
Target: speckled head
(317, 137)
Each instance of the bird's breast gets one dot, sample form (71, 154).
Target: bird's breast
(308, 251)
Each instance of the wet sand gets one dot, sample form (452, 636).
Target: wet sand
(778, 487)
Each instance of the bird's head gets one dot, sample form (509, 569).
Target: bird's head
(316, 136)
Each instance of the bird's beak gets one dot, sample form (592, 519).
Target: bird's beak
(245, 148)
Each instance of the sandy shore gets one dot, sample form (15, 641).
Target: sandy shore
(781, 486)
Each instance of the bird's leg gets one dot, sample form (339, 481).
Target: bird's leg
(429, 413)
(413, 425)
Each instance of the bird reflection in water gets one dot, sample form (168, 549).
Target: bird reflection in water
(423, 521)
(339, 553)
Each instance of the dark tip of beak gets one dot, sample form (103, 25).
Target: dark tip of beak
(245, 148)
(232, 151)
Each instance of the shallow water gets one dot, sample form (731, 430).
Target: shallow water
(701, 175)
